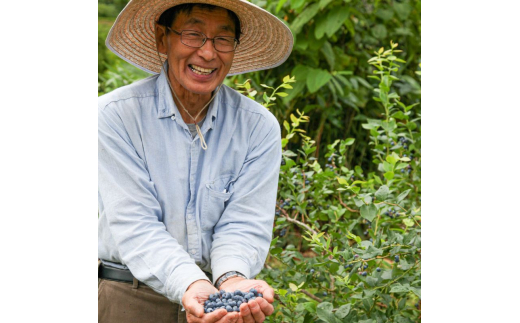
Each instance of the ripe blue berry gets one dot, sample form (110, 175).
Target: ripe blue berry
(364, 273)
(312, 271)
(324, 293)
(396, 258)
(229, 308)
(283, 161)
(330, 159)
(378, 269)
(307, 182)
(365, 266)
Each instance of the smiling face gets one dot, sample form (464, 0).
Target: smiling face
(197, 70)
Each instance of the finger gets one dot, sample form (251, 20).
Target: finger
(213, 316)
(266, 308)
(256, 311)
(245, 312)
(267, 291)
(231, 317)
(194, 308)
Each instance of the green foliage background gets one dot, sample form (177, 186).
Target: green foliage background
(349, 193)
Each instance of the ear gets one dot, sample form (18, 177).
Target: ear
(160, 39)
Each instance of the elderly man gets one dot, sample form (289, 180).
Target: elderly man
(188, 168)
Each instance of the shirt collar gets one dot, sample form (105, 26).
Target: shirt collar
(167, 107)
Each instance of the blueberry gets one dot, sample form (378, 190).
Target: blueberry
(330, 159)
(417, 305)
(371, 240)
(232, 303)
(364, 273)
(345, 266)
(252, 290)
(396, 258)
(277, 213)
(404, 155)
(365, 233)
(282, 233)
(402, 170)
(307, 182)
(229, 308)
(260, 295)
(392, 143)
(405, 147)
(355, 256)
(239, 303)
(235, 309)
(312, 271)
(294, 207)
(324, 293)
(283, 161)
(365, 266)
(378, 269)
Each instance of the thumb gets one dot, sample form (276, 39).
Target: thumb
(193, 307)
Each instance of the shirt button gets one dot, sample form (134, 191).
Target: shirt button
(193, 251)
(173, 117)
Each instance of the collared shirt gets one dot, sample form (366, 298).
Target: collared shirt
(170, 210)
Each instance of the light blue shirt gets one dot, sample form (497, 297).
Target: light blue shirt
(169, 209)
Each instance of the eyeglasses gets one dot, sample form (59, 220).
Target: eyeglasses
(192, 38)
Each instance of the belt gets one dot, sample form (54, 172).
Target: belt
(111, 273)
(123, 275)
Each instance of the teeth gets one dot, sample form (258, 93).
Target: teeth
(201, 71)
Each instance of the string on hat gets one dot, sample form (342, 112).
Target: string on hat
(199, 132)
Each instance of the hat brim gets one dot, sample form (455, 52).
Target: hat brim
(265, 42)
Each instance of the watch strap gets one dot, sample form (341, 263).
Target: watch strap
(228, 275)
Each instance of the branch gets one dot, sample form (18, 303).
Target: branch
(345, 206)
(316, 298)
(301, 224)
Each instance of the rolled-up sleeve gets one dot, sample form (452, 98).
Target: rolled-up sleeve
(243, 234)
(132, 212)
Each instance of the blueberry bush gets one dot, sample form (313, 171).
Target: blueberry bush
(347, 244)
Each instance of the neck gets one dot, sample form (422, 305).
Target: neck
(194, 103)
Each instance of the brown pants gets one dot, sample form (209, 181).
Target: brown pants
(120, 302)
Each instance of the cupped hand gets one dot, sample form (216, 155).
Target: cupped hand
(255, 310)
(193, 302)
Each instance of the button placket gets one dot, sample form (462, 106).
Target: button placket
(191, 221)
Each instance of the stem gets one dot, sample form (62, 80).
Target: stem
(311, 296)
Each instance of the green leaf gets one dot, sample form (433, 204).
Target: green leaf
(276, 251)
(293, 287)
(358, 170)
(398, 288)
(286, 125)
(282, 94)
(324, 311)
(369, 212)
(408, 222)
(324, 3)
(382, 193)
(343, 311)
(349, 141)
(403, 195)
(304, 17)
(334, 267)
(335, 19)
(316, 79)
(327, 51)
(310, 307)
(401, 165)
(388, 167)
(342, 181)
(391, 159)
(379, 31)
(294, 119)
(389, 175)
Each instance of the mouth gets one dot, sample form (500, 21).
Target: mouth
(200, 70)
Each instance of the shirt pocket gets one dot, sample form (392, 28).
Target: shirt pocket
(217, 193)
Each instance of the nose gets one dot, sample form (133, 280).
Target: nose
(207, 51)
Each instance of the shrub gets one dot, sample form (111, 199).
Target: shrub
(347, 245)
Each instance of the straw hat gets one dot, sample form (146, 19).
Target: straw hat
(265, 42)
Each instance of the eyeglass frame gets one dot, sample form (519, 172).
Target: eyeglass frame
(237, 42)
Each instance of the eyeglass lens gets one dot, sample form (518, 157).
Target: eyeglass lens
(196, 39)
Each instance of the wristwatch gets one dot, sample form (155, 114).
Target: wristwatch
(228, 275)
